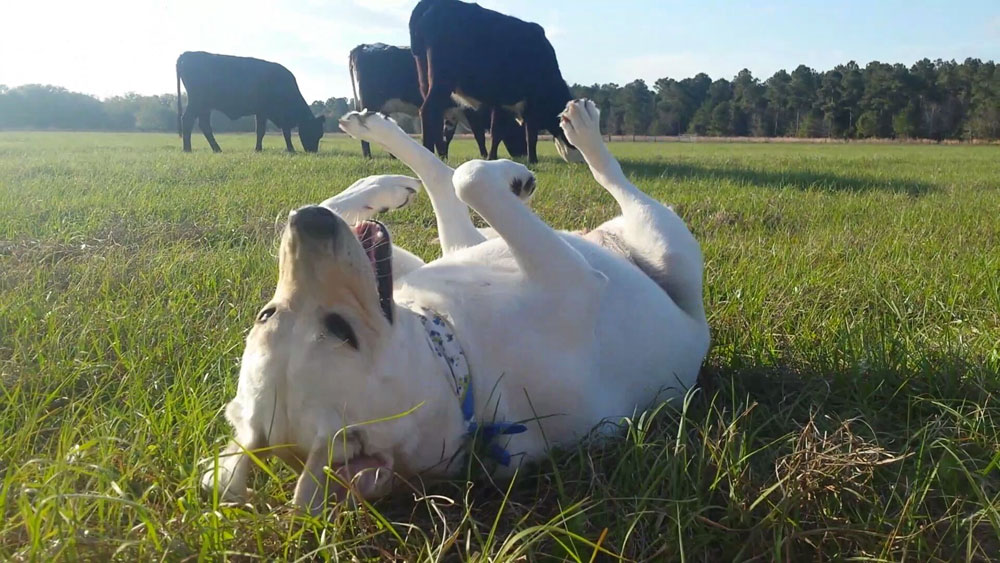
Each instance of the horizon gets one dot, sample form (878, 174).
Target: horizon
(312, 39)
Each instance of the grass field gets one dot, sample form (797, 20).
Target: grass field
(849, 406)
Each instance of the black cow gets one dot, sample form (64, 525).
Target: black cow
(239, 86)
(384, 79)
(486, 58)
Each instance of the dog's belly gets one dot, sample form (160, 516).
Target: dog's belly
(579, 367)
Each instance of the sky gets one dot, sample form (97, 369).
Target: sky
(110, 47)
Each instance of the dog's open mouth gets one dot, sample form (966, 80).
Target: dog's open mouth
(375, 241)
(360, 473)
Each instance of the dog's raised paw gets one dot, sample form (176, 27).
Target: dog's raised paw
(368, 125)
(375, 193)
(581, 122)
(478, 181)
(523, 188)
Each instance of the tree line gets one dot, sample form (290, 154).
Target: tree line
(930, 99)
(42, 106)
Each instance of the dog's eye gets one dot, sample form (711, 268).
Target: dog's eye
(337, 326)
(265, 314)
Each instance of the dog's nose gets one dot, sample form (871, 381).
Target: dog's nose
(313, 221)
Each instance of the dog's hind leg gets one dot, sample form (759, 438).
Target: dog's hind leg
(657, 240)
(493, 190)
(455, 228)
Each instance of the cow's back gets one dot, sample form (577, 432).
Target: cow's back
(237, 86)
(494, 58)
(383, 73)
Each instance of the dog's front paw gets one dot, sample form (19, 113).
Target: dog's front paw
(479, 180)
(369, 126)
(581, 122)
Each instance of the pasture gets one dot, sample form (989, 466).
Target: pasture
(849, 405)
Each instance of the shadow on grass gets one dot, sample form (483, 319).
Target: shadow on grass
(762, 459)
(797, 179)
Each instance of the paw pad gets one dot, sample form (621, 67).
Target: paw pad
(522, 188)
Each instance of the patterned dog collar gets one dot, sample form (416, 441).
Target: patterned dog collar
(442, 341)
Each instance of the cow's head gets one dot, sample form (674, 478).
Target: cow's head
(566, 150)
(554, 107)
(310, 132)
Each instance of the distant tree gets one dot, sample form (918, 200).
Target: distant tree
(801, 96)
(852, 87)
(881, 99)
(984, 103)
(720, 120)
(635, 103)
(777, 94)
(749, 107)
(830, 102)
(906, 122)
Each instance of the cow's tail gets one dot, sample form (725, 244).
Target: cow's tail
(419, 47)
(180, 125)
(352, 68)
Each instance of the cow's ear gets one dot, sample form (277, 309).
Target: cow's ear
(322, 119)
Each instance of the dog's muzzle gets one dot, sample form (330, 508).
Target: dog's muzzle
(313, 221)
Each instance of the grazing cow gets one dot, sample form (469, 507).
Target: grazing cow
(384, 79)
(484, 58)
(239, 86)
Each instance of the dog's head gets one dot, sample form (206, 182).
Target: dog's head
(321, 333)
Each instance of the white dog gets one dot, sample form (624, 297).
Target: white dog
(368, 364)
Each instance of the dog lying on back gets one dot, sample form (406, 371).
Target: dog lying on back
(369, 364)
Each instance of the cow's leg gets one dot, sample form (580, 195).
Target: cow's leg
(656, 239)
(496, 131)
(261, 129)
(366, 149)
(432, 120)
(438, 96)
(455, 228)
(478, 127)
(448, 133)
(187, 125)
(531, 132)
(205, 123)
(287, 132)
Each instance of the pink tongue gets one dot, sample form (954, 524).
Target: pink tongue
(367, 233)
(362, 473)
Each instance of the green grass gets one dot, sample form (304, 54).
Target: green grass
(849, 406)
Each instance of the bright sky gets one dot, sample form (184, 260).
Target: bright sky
(108, 47)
